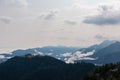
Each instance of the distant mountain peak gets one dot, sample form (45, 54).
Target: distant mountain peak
(107, 43)
(115, 45)
(117, 42)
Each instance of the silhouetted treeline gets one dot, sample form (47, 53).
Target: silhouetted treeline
(42, 68)
(105, 72)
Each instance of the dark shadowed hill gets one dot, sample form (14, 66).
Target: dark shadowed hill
(105, 72)
(37, 67)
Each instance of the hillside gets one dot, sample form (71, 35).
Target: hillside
(37, 67)
(105, 72)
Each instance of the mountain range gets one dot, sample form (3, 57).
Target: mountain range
(54, 51)
(106, 52)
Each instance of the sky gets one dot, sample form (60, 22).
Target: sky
(35, 23)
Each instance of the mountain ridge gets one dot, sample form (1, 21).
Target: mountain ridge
(100, 52)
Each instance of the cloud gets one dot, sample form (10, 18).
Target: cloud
(108, 15)
(72, 57)
(38, 53)
(5, 20)
(100, 37)
(70, 22)
(1, 57)
(103, 37)
(14, 3)
(66, 54)
(48, 16)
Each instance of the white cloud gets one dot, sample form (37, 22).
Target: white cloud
(38, 53)
(1, 57)
(88, 58)
(71, 57)
(66, 55)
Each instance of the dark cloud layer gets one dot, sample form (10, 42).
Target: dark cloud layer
(107, 16)
(100, 20)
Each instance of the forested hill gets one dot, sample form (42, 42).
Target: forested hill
(105, 72)
(39, 67)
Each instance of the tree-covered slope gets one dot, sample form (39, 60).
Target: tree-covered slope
(105, 72)
(42, 68)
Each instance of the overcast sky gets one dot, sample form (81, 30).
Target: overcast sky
(34, 23)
